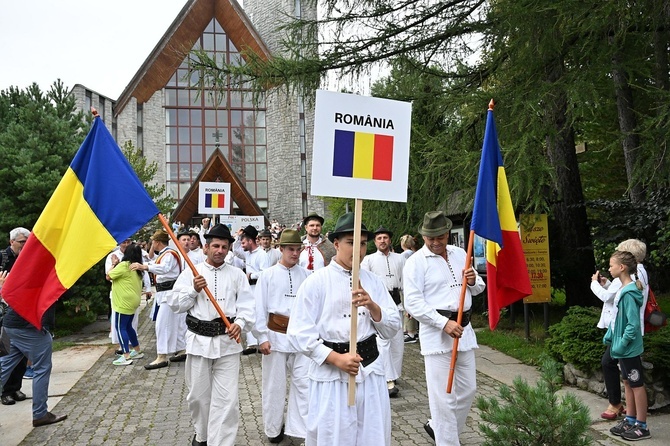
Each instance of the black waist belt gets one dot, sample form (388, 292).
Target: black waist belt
(253, 281)
(165, 286)
(453, 315)
(395, 295)
(366, 348)
(207, 328)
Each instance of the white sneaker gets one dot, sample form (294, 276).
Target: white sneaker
(121, 360)
(135, 355)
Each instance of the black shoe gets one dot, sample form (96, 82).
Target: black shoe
(249, 351)
(178, 358)
(7, 400)
(198, 443)
(429, 430)
(119, 352)
(19, 396)
(49, 418)
(158, 365)
(278, 438)
(621, 427)
(394, 392)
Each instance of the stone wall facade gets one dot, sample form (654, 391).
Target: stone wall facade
(658, 395)
(101, 103)
(290, 123)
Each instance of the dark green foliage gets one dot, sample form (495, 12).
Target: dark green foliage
(146, 172)
(577, 340)
(657, 352)
(534, 416)
(89, 296)
(39, 135)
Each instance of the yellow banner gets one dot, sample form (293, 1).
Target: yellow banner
(535, 242)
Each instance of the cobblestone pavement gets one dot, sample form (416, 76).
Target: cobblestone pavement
(113, 405)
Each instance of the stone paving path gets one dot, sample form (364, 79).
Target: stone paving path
(112, 405)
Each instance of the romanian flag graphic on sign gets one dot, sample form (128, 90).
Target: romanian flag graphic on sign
(363, 155)
(217, 201)
(493, 219)
(98, 203)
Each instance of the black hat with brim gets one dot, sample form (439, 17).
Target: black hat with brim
(250, 232)
(383, 230)
(219, 231)
(345, 225)
(312, 216)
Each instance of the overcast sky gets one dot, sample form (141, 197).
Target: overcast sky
(100, 44)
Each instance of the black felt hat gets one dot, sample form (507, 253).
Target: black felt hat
(345, 224)
(312, 216)
(219, 231)
(383, 230)
(250, 232)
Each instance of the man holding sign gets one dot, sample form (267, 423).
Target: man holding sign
(320, 327)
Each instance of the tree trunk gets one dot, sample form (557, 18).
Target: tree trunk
(575, 251)
(628, 126)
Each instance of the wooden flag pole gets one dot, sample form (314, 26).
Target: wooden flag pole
(355, 268)
(168, 229)
(459, 319)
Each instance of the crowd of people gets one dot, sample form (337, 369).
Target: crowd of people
(290, 298)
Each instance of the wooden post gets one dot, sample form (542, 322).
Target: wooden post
(464, 287)
(168, 229)
(355, 268)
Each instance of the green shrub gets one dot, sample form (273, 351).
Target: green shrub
(81, 304)
(534, 416)
(657, 352)
(577, 340)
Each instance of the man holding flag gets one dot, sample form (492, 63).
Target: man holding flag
(88, 204)
(433, 279)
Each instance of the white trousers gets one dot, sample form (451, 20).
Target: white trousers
(213, 398)
(449, 411)
(167, 330)
(392, 351)
(277, 367)
(331, 421)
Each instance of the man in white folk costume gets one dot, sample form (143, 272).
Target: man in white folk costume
(388, 265)
(320, 327)
(275, 293)
(213, 354)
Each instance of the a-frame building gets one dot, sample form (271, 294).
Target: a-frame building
(263, 142)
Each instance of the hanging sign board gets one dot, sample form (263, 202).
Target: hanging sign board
(361, 147)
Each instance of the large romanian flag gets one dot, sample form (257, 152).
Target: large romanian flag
(99, 203)
(493, 219)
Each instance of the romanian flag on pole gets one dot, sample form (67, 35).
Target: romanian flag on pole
(493, 219)
(98, 203)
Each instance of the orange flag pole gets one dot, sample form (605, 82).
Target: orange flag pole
(209, 294)
(355, 269)
(461, 304)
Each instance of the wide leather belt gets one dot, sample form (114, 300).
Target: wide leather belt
(212, 328)
(453, 315)
(367, 348)
(165, 286)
